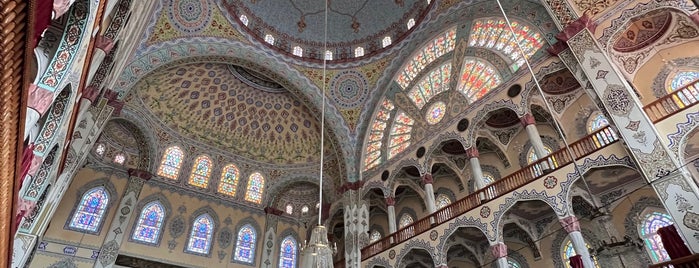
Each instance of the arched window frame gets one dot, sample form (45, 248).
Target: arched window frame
(255, 188)
(290, 259)
(431, 85)
(140, 225)
(651, 221)
(201, 172)
(375, 236)
(207, 238)
(228, 183)
(681, 78)
(441, 44)
(442, 200)
(171, 162)
(405, 220)
(358, 52)
(568, 251)
(244, 251)
(103, 208)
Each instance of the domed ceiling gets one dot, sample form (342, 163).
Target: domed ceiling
(351, 23)
(234, 109)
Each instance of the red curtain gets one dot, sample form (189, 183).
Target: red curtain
(673, 243)
(42, 19)
(576, 261)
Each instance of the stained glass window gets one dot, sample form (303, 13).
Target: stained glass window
(289, 209)
(149, 224)
(411, 23)
(359, 51)
(649, 228)
(532, 157)
(201, 171)
(386, 41)
(269, 39)
(682, 79)
(245, 245)
(120, 158)
(435, 82)
(405, 220)
(436, 112)
(244, 20)
(298, 51)
(100, 149)
(444, 43)
(477, 79)
(328, 55)
(375, 236)
(229, 180)
(200, 238)
(91, 209)
(304, 210)
(399, 138)
(512, 263)
(287, 253)
(596, 122)
(569, 251)
(372, 155)
(494, 34)
(442, 200)
(171, 163)
(488, 178)
(256, 185)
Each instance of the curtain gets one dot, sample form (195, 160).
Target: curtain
(42, 17)
(673, 243)
(576, 261)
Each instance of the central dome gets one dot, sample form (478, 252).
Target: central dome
(351, 24)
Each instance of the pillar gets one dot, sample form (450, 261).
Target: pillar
(572, 226)
(476, 171)
(429, 193)
(38, 103)
(269, 260)
(117, 229)
(658, 165)
(499, 251)
(356, 220)
(391, 207)
(529, 125)
(103, 45)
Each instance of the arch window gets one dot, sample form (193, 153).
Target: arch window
(375, 236)
(298, 51)
(200, 237)
(437, 81)
(358, 52)
(171, 163)
(245, 244)
(372, 156)
(648, 231)
(244, 20)
(539, 168)
(495, 34)
(688, 95)
(386, 41)
(91, 209)
(512, 263)
(401, 133)
(269, 39)
(201, 171)
(569, 251)
(287, 253)
(477, 79)
(442, 200)
(120, 158)
(304, 210)
(100, 149)
(405, 220)
(596, 122)
(442, 44)
(411, 23)
(149, 223)
(289, 209)
(328, 55)
(256, 185)
(229, 180)
(488, 178)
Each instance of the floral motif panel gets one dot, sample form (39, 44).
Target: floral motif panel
(401, 133)
(90, 210)
(372, 156)
(435, 82)
(149, 224)
(439, 46)
(477, 79)
(201, 171)
(256, 185)
(229, 180)
(171, 163)
(495, 34)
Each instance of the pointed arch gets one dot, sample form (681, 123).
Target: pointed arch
(150, 223)
(245, 244)
(288, 252)
(229, 180)
(201, 171)
(91, 209)
(201, 235)
(171, 162)
(256, 185)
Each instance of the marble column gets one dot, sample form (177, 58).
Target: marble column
(572, 226)
(391, 207)
(477, 173)
(429, 193)
(529, 124)
(125, 211)
(499, 251)
(269, 260)
(356, 219)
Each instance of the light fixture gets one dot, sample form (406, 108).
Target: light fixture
(318, 253)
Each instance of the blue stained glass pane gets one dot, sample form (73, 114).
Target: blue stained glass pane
(649, 228)
(682, 79)
(90, 210)
(149, 223)
(200, 238)
(245, 247)
(287, 256)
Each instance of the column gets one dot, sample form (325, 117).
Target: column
(39, 101)
(103, 45)
(429, 193)
(391, 207)
(477, 173)
(572, 226)
(269, 260)
(659, 165)
(356, 219)
(533, 133)
(117, 230)
(499, 251)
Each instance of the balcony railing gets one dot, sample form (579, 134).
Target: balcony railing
(691, 261)
(581, 148)
(674, 102)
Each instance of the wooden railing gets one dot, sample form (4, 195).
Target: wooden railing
(581, 148)
(674, 102)
(691, 261)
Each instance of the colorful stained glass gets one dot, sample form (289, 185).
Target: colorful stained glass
(495, 34)
(569, 251)
(245, 245)
(488, 178)
(649, 228)
(372, 156)
(287, 253)
(477, 79)
(400, 135)
(149, 224)
(256, 185)
(682, 79)
(201, 171)
(532, 157)
(442, 200)
(436, 112)
(375, 236)
(442, 44)
(512, 263)
(437, 81)
(229, 180)
(596, 122)
(91, 209)
(100, 149)
(405, 220)
(200, 238)
(171, 163)
(119, 158)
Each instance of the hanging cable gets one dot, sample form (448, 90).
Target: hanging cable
(322, 116)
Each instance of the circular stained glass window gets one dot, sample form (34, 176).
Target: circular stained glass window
(436, 112)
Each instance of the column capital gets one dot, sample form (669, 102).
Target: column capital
(104, 43)
(390, 200)
(472, 152)
(40, 99)
(427, 178)
(527, 119)
(570, 224)
(499, 250)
